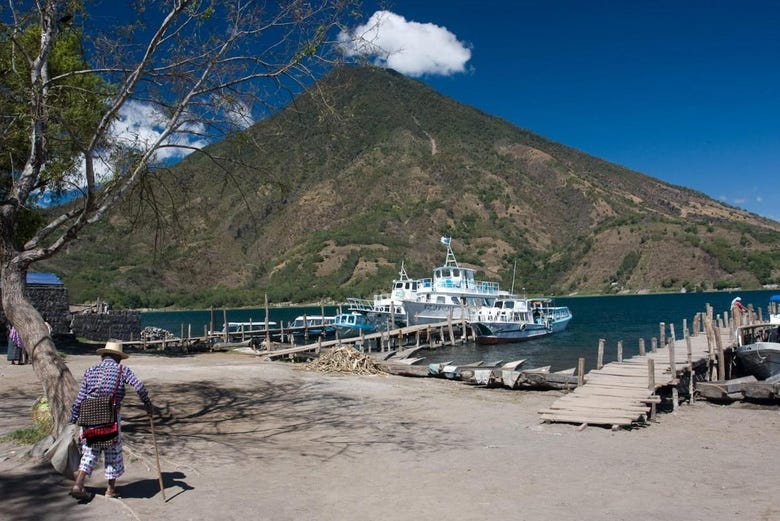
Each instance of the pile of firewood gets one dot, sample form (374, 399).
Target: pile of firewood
(344, 359)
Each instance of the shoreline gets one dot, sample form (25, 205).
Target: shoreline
(283, 443)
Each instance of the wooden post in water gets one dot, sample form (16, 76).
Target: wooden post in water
(654, 345)
(642, 347)
(580, 372)
(267, 332)
(689, 350)
(672, 363)
(721, 355)
(651, 382)
(710, 347)
(211, 324)
(620, 351)
(226, 329)
(600, 358)
(662, 331)
(449, 328)
(696, 323)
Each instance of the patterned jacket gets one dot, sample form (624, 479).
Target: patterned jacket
(100, 379)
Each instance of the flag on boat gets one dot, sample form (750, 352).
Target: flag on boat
(446, 240)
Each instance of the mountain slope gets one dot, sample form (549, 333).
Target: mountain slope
(369, 168)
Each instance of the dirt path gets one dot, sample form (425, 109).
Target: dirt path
(241, 439)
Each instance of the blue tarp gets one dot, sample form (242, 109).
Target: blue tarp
(774, 298)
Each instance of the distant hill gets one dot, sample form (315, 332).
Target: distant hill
(369, 168)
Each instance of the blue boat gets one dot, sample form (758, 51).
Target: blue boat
(352, 324)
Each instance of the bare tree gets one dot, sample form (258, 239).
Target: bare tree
(194, 68)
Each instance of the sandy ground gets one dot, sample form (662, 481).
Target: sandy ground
(240, 439)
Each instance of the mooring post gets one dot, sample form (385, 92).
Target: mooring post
(600, 358)
(662, 335)
(620, 351)
(651, 383)
(580, 372)
(642, 347)
(689, 349)
(226, 329)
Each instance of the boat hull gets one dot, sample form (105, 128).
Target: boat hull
(507, 332)
(761, 359)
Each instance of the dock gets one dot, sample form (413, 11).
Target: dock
(626, 392)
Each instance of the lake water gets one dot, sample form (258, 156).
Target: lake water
(627, 318)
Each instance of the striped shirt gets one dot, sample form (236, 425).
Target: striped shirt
(100, 379)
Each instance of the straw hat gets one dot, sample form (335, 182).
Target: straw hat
(113, 347)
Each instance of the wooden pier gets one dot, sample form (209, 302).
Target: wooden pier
(626, 392)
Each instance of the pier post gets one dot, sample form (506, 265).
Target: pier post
(620, 351)
(689, 350)
(600, 358)
(662, 335)
(580, 372)
(672, 361)
(721, 355)
(654, 345)
(450, 329)
(642, 347)
(651, 382)
(267, 332)
(225, 328)
(430, 338)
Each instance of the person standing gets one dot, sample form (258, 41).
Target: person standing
(102, 379)
(16, 352)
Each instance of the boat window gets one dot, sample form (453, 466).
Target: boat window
(456, 273)
(440, 300)
(509, 304)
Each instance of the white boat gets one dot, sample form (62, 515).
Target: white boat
(758, 349)
(313, 325)
(453, 292)
(510, 320)
(235, 328)
(388, 307)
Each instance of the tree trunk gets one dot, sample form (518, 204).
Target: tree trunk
(59, 385)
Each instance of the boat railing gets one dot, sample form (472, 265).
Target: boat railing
(360, 305)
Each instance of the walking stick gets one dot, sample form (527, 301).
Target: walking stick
(157, 456)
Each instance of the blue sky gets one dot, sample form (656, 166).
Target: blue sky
(684, 91)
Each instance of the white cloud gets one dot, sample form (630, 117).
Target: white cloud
(411, 48)
(140, 125)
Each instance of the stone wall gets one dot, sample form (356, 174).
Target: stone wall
(121, 325)
(52, 303)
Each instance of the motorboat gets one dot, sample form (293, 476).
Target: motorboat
(518, 319)
(758, 349)
(351, 324)
(388, 307)
(313, 325)
(452, 293)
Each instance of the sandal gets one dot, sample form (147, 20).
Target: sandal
(80, 493)
(113, 494)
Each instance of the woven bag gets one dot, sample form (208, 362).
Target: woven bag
(97, 411)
